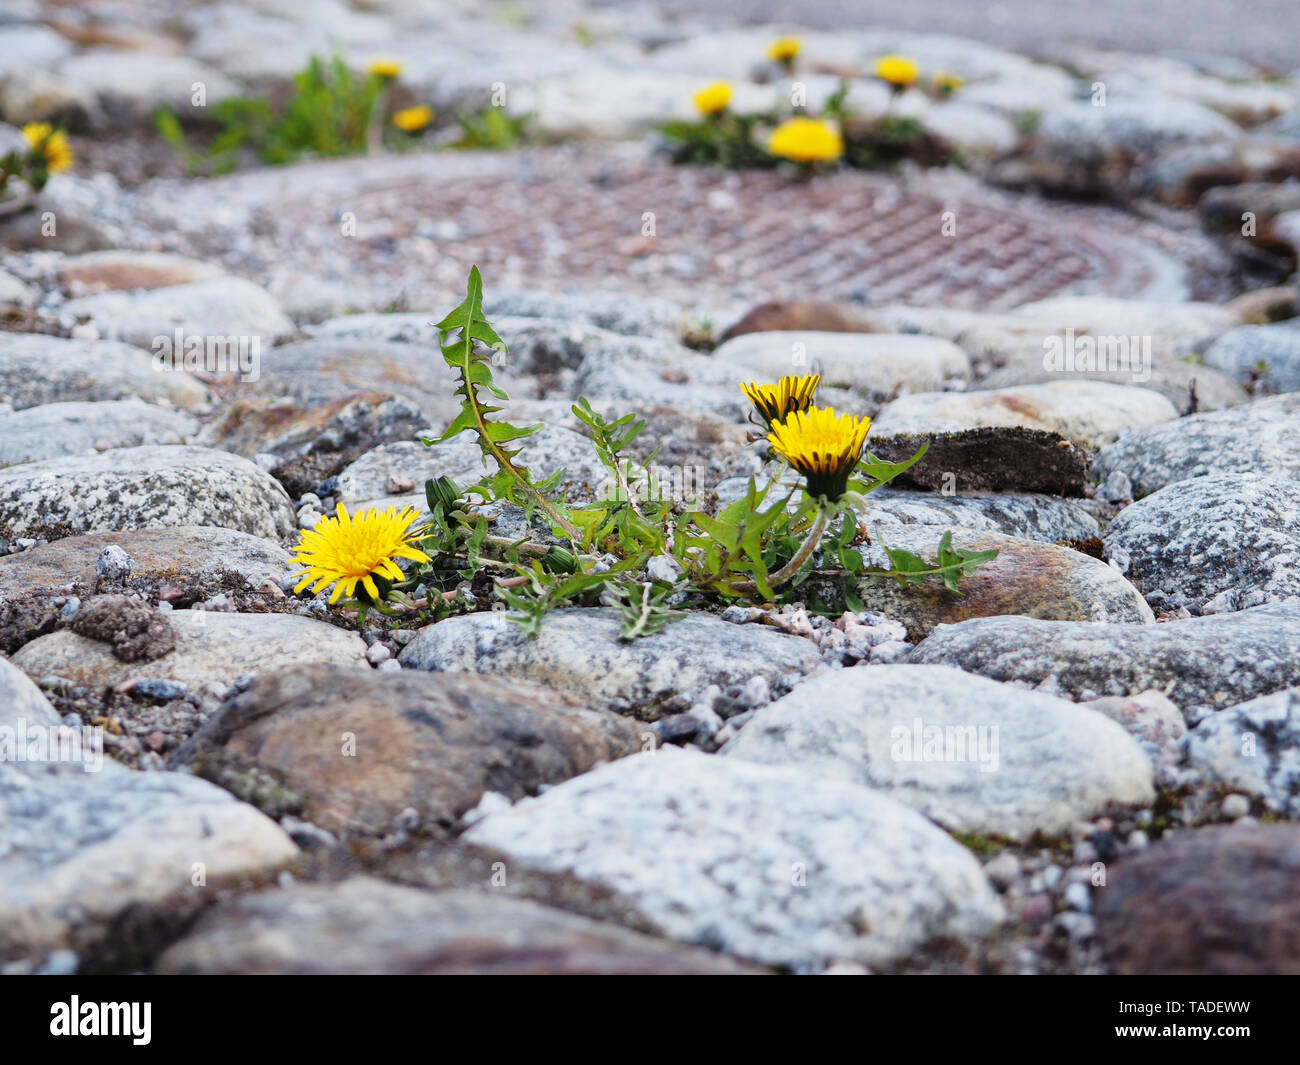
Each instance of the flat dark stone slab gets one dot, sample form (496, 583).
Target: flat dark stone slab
(992, 459)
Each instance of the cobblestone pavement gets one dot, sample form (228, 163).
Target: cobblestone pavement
(610, 219)
(1263, 31)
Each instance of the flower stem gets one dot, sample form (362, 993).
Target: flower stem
(801, 556)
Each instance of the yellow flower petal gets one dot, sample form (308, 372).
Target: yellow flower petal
(413, 119)
(806, 140)
(898, 70)
(713, 99)
(50, 144)
(386, 68)
(823, 446)
(774, 402)
(784, 49)
(351, 549)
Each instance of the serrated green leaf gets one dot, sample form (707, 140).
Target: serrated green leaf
(464, 420)
(882, 472)
(725, 533)
(502, 432)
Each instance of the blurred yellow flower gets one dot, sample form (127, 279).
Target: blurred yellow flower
(806, 140)
(947, 82)
(784, 49)
(898, 71)
(413, 119)
(50, 144)
(386, 68)
(714, 98)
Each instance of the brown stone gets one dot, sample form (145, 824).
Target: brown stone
(283, 427)
(89, 33)
(213, 649)
(105, 271)
(1223, 900)
(822, 316)
(351, 749)
(1266, 305)
(182, 565)
(1027, 577)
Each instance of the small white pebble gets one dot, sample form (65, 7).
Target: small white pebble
(1004, 870)
(492, 802)
(1077, 925)
(663, 568)
(1085, 853)
(756, 692)
(846, 968)
(1236, 807)
(889, 652)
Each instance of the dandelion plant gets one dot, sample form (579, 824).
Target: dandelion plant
(634, 548)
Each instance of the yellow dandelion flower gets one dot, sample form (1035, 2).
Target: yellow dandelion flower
(50, 144)
(388, 69)
(823, 446)
(947, 83)
(775, 402)
(784, 49)
(713, 99)
(806, 140)
(413, 119)
(353, 549)
(898, 70)
(37, 133)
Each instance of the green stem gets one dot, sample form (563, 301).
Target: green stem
(801, 556)
(498, 453)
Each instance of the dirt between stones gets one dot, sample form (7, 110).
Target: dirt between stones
(137, 631)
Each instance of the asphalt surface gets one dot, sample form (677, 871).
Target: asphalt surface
(1266, 32)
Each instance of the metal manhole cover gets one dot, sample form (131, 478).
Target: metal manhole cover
(685, 233)
(560, 220)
